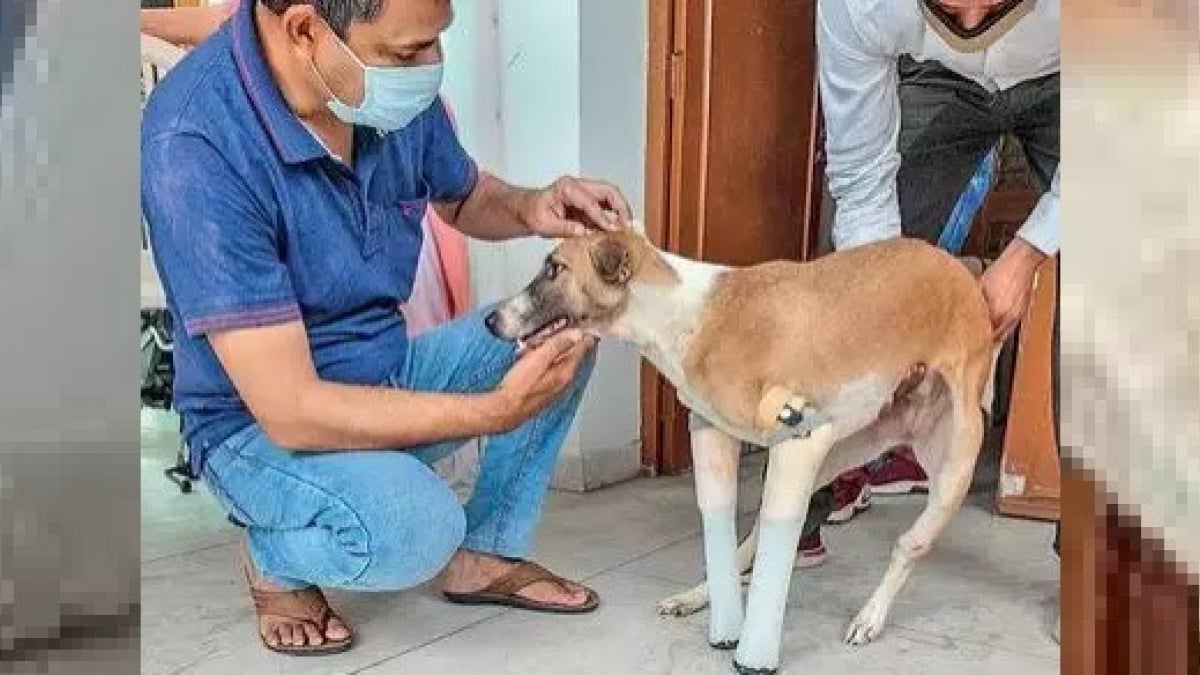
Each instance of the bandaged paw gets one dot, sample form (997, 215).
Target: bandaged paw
(778, 405)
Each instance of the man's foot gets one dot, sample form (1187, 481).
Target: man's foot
(898, 473)
(811, 551)
(297, 622)
(481, 578)
(851, 496)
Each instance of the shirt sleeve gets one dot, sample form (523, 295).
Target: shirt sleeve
(449, 171)
(216, 249)
(861, 103)
(1041, 229)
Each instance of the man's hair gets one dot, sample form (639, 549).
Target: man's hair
(337, 13)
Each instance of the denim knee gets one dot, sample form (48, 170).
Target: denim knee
(413, 538)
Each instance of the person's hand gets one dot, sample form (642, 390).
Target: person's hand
(538, 377)
(570, 206)
(1008, 284)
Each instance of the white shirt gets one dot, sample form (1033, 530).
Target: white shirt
(859, 43)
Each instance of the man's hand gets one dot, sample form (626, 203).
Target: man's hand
(1007, 286)
(186, 26)
(570, 206)
(539, 377)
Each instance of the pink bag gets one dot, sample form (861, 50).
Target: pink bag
(442, 287)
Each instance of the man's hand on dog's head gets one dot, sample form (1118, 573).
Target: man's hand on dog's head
(540, 376)
(571, 206)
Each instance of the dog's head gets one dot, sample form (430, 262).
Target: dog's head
(584, 283)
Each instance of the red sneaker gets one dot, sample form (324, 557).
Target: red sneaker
(851, 496)
(811, 551)
(898, 473)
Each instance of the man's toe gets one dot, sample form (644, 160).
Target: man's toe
(271, 635)
(336, 630)
(313, 635)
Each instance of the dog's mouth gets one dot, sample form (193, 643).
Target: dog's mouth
(546, 331)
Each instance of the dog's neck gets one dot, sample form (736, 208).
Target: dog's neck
(663, 312)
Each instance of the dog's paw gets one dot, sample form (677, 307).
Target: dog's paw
(683, 604)
(867, 626)
(744, 670)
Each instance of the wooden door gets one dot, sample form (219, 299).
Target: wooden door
(733, 168)
(1029, 463)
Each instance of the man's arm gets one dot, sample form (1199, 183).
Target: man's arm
(495, 210)
(185, 26)
(860, 99)
(484, 207)
(1008, 283)
(272, 369)
(1041, 229)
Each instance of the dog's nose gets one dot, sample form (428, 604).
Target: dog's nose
(491, 321)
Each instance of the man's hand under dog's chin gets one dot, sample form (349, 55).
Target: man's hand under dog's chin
(1008, 285)
(571, 206)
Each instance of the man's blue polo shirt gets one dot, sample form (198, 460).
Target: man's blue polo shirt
(252, 222)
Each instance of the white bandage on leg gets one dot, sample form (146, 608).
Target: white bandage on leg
(723, 578)
(715, 457)
(791, 474)
(767, 602)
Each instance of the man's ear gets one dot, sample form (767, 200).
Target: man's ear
(611, 259)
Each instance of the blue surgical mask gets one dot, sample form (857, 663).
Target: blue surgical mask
(393, 95)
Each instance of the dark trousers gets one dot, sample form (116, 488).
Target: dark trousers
(948, 124)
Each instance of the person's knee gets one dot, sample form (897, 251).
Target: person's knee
(411, 532)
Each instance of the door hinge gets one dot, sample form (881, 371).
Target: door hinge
(675, 74)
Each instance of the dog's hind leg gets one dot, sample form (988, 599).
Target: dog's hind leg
(696, 598)
(955, 440)
(791, 476)
(715, 457)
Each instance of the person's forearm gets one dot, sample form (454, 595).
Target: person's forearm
(331, 416)
(182, 26)
(1041, 229)
(494, 211)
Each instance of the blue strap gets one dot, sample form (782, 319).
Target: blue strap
(958, 225)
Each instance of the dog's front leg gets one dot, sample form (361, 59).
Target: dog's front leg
(791, 474)
(715, 462)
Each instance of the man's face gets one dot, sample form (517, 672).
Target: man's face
(970, 14)
(972, 25)
(406, 33)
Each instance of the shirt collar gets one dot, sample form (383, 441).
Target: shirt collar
(294, 142)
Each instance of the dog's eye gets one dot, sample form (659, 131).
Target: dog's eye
(553, 269)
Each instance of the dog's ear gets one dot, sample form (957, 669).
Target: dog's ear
(612, 261)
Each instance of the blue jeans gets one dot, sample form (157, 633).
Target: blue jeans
(383, 520)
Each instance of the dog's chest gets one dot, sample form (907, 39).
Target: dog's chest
(669, 362)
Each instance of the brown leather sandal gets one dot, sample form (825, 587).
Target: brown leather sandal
(504, 591)
(307, 605)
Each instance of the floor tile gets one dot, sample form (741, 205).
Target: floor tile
(626, 636)
(978, 603)
(174, 522)
(197, 618)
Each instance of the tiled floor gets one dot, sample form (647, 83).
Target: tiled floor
(978, 604)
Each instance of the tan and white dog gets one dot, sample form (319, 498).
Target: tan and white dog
(827, 363)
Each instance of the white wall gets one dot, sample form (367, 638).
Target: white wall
(612, 146)
(544, 88)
